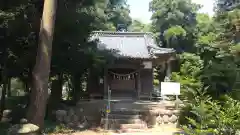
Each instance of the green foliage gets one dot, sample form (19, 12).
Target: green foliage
(17, 87)
(176, 18)
(200, 124)
(138, 26)
(73, 54)
(211, 66)
(212, 116)
(55, 128)
(209, 72)
(174, 32)
(189, 76)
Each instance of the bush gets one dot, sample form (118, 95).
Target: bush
(204, 112)
(212, 116)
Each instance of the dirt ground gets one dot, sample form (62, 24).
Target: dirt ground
(155, 131)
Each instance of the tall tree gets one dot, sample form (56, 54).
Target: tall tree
(138, 26)
(118, 12)
(39, 91)
(174, 22)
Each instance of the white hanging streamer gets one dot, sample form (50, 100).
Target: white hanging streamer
(124, 76)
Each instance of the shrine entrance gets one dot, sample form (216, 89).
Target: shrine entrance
(123, 83)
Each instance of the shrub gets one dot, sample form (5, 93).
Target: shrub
(213, 116)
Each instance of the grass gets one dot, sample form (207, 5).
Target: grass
(53, 127)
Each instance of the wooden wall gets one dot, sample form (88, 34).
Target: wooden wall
(146, 81)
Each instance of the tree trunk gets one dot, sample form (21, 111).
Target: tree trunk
(93, 82)
(89, 82)
(26, 87)
(39, 92)
(69, 88)
(56, 94)
(4, 90)
(3, 97)
(4, 81)
(162, 74)
(28, 81)
(76, 91)
(9, 92)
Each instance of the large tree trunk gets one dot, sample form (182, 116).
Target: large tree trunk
(3, 97)
(76, 90)
(26, 85)
(90, 82)
(9, 92)
(4, 90)
(4, 82)
(93, 82)
(28, 81)
(56, 93)
(39, 91)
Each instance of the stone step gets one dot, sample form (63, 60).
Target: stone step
(142, 109)
(121, 121)
(122, 111)
(133, 126)
(132, 130)
(115, 124)
(121, 116)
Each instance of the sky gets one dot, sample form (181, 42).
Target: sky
(139, 10)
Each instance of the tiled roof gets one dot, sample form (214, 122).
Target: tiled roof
(129, 44)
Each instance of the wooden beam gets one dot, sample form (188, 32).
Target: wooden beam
(169, 70)
(105, 81)
(124, 66)
(139, 84)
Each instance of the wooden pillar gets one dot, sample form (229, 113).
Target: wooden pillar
(105, 81)
(169, 71)
(139, 84)
(161, 74)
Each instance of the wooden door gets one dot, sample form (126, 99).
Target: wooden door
(123, 88)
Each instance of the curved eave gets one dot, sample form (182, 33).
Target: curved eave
(162, 51)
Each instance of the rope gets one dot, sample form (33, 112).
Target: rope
(123, 74)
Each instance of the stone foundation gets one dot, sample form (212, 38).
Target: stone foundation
(83, 114)
(151, 113)
(162, 114)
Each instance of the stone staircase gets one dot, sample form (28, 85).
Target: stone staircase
(137, 117)
(124, 120)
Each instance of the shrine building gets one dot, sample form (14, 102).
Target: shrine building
(130, 75)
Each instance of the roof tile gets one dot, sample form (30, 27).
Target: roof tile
(129, 44)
